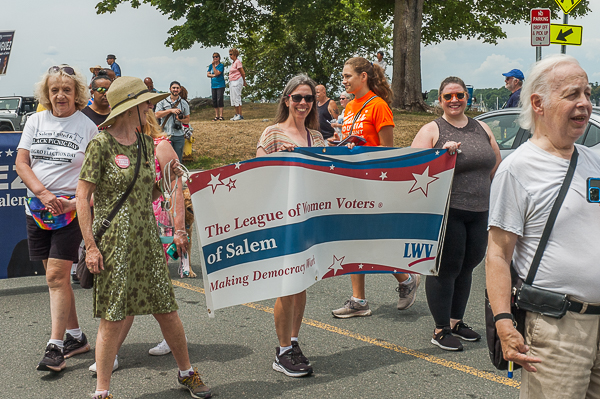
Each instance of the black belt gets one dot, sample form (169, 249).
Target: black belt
(578, 306)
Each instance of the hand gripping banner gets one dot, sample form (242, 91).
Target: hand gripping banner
(275, 225)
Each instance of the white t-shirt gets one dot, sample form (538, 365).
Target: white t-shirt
(523, 192)
(56, 149)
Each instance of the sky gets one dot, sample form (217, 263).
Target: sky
(69, 31)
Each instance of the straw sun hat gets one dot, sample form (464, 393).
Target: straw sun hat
(126, 93)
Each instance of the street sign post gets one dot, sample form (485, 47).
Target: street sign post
(540, 27)
(567, 5)
(569, 35)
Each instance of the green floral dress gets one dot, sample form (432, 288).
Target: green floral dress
(135, 279)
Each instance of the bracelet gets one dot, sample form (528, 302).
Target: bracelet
(501, 316)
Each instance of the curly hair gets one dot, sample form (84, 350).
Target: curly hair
(82, 93)
(376, 79)
(283, 110)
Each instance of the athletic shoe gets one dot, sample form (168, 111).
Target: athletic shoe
(103, 395)
(241, 117)
(92, 368)
(161, 349)
(289, 364)
(298, 353)
(464, 332)
(352, 309)
(408, 292)
(194, 383)
(53, 359)
(74, 279)
(445, 340)
(74, 346)
(237, 117)
(234, 118)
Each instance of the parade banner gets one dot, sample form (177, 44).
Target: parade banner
(6, 41)
(273, 226)
(14, 251)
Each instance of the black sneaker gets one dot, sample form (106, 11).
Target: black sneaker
(464, 332)
(298, 353)
(445, 340)
(290, 365)
(53, 359)
(74, 346)
(74, 279)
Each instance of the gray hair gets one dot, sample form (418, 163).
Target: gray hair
(82, 93)
(539, 83)
(349, 96)
(283, 110)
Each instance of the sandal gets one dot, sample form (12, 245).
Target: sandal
(216, 119)
(221, 118)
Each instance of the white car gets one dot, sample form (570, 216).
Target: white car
(510, 135)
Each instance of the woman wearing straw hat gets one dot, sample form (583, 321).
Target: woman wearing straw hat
(132, 277)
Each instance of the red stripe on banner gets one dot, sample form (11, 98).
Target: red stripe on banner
(444, 162)
(419, 261)
(349, 268)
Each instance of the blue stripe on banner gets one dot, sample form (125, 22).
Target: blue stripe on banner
(417, 158)
(294, 238)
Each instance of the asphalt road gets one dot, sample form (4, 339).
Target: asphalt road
(386, 355)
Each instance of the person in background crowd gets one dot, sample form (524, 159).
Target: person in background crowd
(380, 61)
(94, 70)
(560, 357)
(175, 112)
(513, 81)
(131, 275)
(295, 126)
(111, 60)
(99, 109)
(465, 240)
(150, 85)
(237, 80)
(345, 98)
(328, 112)
(50, 171)
(371, 89)
(217, 85)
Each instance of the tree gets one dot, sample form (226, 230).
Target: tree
(282, 23)
(278, 38)
(431, 21)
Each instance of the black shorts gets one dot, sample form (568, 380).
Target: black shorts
(61, 244)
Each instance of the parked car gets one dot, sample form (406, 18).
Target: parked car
(14, 112)
(510, 135)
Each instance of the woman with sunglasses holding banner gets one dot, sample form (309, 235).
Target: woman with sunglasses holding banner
(296, 125)
(477, 158)
(49, 158)
(370, 117)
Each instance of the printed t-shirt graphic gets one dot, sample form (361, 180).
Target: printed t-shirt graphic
(373, 117)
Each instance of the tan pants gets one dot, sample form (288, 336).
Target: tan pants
(569, 349)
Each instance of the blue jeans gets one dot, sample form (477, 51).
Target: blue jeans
(178, 142)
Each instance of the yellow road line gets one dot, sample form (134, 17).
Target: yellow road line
(377, 342)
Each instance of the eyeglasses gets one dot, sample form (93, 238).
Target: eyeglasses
(101, 90)
(449, 96)
(342, 98)
(65, 68)
(309, 98)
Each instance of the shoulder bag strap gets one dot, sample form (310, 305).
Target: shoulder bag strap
(552, 218)
(173, 105)
(106, 222)
(358, 114)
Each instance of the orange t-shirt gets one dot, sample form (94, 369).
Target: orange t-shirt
(373, 117)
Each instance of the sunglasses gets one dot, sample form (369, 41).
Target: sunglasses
(309, 98)
(450, 96)
(101, 90)
(66, 69)
(216, 56)
(342, 98)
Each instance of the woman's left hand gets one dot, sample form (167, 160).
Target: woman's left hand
(452, 147)
(177, 169)
(287, 147)
(181, 242)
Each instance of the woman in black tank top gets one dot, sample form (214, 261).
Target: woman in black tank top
(477, 157)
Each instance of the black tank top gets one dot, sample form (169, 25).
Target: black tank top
(474, 164)
(324, 118)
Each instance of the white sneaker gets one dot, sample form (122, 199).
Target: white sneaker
(160, 349)
(115, 365)
(233, 119)
(238, 117)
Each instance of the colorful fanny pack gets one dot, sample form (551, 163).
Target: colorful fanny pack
(46, 220)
